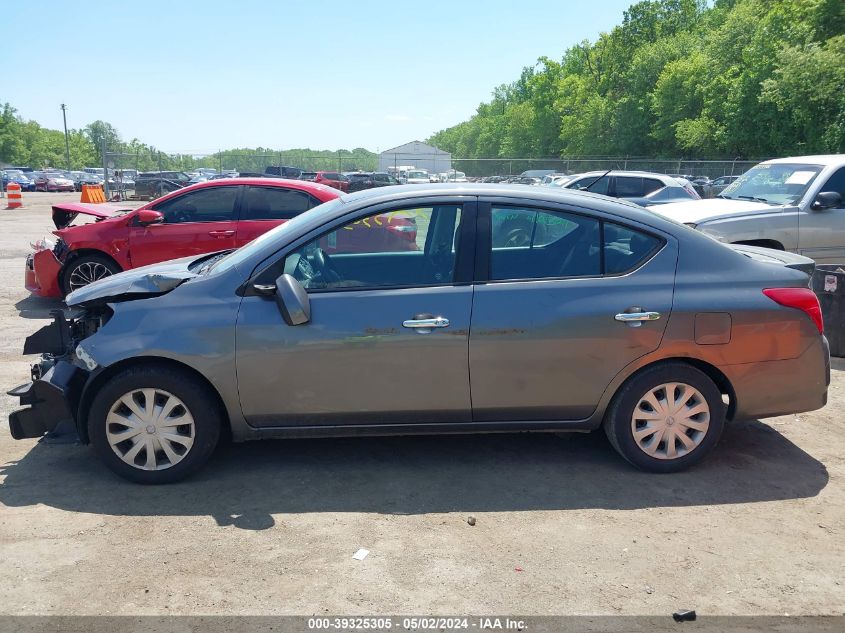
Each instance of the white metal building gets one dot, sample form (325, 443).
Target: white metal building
(418, 154)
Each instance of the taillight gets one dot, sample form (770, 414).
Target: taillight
(802, 299)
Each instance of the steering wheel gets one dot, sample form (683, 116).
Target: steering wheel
(304, 271)
(324, 267)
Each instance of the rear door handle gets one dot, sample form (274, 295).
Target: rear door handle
(423, 325)
(635, 319)
(221, 233)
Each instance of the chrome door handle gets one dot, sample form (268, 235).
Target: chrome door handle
(426, 324)
(631, 317)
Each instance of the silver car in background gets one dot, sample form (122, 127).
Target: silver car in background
(503, 308)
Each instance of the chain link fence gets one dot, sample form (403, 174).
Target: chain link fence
(123, 166)
(482, 167)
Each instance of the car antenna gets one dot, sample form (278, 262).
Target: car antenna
(587, 188)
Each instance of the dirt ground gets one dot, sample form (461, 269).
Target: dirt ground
(564, 526)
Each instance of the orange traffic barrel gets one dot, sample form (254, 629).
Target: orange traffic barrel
(13, 191)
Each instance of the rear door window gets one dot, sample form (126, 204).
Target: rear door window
(629, 187)
(545, 244)
(625, 248)
(275, 203)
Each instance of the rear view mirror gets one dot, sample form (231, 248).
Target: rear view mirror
(292, 300)
(148, 216)
(827, 200)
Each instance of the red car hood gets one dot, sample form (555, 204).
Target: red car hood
(64, 214)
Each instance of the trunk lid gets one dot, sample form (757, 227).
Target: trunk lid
(774, 256)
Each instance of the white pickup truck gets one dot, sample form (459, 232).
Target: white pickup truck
(793, 204)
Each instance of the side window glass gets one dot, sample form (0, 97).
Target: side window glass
(595, 186)
(836, 183)
(213, 204)
(650, 184)
(625, 249)
(400, 248)
(539, 244)
(629, 187)
(274, 203)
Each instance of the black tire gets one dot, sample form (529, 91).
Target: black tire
(200, 403)
(619, 425)
(93, 262)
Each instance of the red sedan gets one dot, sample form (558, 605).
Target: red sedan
(207, 217)
(51, 181)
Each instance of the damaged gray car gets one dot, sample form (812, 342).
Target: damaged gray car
(472, 308)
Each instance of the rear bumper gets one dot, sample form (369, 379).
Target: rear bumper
(52, 398)
(782, 387)
(41, 276)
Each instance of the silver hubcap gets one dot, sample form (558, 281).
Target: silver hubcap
(670, 421)
(150, 429)
(86, 273)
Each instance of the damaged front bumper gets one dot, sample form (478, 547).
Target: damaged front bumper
(58, 380)
(52, 398)
(41, 273)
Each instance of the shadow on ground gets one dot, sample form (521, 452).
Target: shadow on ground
(245, 484)
(38, 307)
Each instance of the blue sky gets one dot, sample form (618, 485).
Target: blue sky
(195, 77)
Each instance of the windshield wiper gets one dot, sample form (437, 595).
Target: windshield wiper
(754, 198)
(723, 196)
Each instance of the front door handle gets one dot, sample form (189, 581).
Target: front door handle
(635, 319)
(423, 325)
(221, 233)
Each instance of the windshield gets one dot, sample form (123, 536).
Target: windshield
(246, 251)
(417, 174)
(774, 183)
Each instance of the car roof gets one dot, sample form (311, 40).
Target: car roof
(505, 190)
(666, 180)
(827, 160)
(321, 192)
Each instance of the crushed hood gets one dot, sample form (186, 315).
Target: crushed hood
(138, 283)
(65, 213)
(697, 211)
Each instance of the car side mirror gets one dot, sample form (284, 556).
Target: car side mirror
(827, 200)
(292, 300)
(148, 216)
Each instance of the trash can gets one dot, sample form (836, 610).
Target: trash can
(829, 286)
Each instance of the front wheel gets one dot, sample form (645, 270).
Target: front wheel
(154, 424)
(87, 269)
(666, 418)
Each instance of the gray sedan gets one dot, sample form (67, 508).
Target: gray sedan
(441, 309)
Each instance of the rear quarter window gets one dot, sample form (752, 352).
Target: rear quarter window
(626, 249)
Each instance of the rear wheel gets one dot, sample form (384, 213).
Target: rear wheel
(666, 418)
(154, 424)
(87, 269)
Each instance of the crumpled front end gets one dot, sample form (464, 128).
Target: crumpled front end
(51, 399)
(60, 376)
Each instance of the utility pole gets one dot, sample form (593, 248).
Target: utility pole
(105, 170)
(67, 146)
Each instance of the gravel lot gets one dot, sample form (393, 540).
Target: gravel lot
(564, 526)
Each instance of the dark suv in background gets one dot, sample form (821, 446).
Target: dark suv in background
(358, 181)
(154, 184)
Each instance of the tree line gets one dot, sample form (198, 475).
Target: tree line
(26, 143)
(677, 78)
